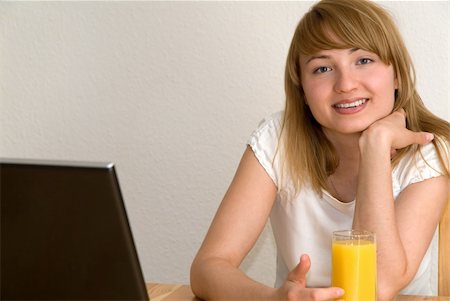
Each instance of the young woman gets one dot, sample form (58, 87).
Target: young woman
(354, 148)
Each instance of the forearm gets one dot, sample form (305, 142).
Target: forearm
(216, 279)
(375, 211)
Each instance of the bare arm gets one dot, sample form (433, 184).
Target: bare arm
(238, 223)
(240, 219)
(404, 228)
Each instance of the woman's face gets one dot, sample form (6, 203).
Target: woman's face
(347, 89)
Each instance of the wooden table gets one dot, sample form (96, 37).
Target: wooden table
(179, 292)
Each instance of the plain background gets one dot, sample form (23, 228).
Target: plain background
(170, 92)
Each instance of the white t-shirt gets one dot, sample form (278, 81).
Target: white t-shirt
(305, 224)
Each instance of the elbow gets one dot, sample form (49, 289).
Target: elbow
(199, 280)
(384, 294)
(388, 289)
(195, 275)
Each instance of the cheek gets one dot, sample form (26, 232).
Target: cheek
(386, 88)
(315, 98)
(385, 96)
(383, 83)
(314, 91)
(386, 81)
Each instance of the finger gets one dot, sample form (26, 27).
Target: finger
(298, 274)
(326, 293)
(400, 117)
(422, 137)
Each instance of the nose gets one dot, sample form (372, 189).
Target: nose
(345, 82)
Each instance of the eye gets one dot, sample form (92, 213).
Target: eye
(364, 61)
(321, 70)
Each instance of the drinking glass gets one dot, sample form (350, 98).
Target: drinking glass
(354, 264)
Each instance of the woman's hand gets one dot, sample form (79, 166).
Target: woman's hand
(295, 286)
(391, 131)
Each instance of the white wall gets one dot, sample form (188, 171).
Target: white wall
(169, 91)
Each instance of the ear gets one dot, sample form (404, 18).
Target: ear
(395, 83)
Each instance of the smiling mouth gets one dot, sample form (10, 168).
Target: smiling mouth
(351, 104)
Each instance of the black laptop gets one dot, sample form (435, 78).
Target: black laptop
(65, 233)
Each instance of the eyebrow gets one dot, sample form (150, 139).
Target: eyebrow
(314, 57)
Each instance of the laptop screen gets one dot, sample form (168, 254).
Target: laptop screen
(65, 234)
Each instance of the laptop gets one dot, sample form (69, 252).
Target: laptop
(65, 234)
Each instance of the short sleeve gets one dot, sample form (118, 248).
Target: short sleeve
(421, 166)
(264, 143)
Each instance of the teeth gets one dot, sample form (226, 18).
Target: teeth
(351, 104)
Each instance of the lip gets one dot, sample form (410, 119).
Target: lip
(353, 110)
(350, 100)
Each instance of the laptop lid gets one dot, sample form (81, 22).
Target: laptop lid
(65, 234)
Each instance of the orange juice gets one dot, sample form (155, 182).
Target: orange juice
(354, 268)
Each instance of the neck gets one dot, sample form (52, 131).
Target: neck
(346, 145)
(343, 182)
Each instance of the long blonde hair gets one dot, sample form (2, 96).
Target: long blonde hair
(308, 155)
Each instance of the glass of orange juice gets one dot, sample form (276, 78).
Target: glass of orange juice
(354, 264)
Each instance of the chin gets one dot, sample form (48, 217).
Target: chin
(352, 129)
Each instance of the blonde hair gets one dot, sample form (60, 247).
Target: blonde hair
(308, 155)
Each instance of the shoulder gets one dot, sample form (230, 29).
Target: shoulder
(272, 122)
(268, 130)
(264, 144)
(420, 165)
